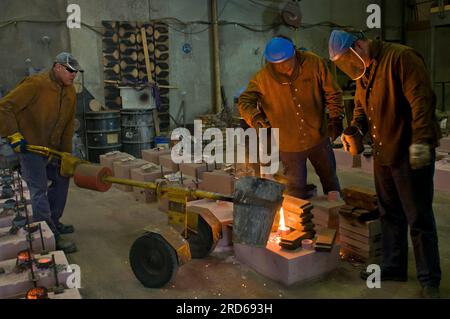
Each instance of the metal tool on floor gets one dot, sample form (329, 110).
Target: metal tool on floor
(157, 254)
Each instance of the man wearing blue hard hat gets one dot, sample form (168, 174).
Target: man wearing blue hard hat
(294, 90)
(395, 103)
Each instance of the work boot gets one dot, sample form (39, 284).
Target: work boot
(430, 292)
(66, 246)
(65, 229)
(385, 276)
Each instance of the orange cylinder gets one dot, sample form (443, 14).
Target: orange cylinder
(91, 176)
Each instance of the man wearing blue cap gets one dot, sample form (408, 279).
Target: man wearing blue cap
(41, 111)
(395, 103)
(294, 90)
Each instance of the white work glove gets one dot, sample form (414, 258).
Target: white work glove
(419, 155)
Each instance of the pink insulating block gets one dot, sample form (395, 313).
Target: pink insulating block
(15, 284)
(66, 295)
(10, 245)
(146, 173)
(287, 266)
(122, 169)
(218, 182)
(223, 211)
(194, 170)
(326, 213)
(108, 159)
(166, 162)
(7, 216)
(153, 155)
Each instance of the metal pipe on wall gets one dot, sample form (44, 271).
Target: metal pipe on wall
(216, 57)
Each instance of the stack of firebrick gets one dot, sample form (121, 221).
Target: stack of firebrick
(298, 216)
(359, 226)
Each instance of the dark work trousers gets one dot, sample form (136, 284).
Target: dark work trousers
(405, 198)
(321, 157)
(47, 200)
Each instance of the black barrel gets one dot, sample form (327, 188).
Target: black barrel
(138, 131)
(103, 133)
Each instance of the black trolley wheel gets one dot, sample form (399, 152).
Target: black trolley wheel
(153, 260)
(200, 243)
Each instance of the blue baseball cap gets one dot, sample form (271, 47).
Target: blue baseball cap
(339, 43)
(279, 50)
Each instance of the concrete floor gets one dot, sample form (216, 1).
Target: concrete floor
(108, 223)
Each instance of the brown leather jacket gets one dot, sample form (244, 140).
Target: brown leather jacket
(397, 98)
(295, 105)
(41, 110)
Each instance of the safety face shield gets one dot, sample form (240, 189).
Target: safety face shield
(351, 64)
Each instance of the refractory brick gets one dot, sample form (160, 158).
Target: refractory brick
(218, 182)
(146, 173)
(122, 169)
(153, 155)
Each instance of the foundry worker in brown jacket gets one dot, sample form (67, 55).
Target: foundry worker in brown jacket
(41, 111)
(295, 89)
(395, 103)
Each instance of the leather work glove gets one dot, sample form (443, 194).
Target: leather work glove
(361, 123)
(419, 155)
(335, 127)
(259, 121)
(18, 143)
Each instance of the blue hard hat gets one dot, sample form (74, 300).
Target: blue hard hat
(279, 50)
(340, 42)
